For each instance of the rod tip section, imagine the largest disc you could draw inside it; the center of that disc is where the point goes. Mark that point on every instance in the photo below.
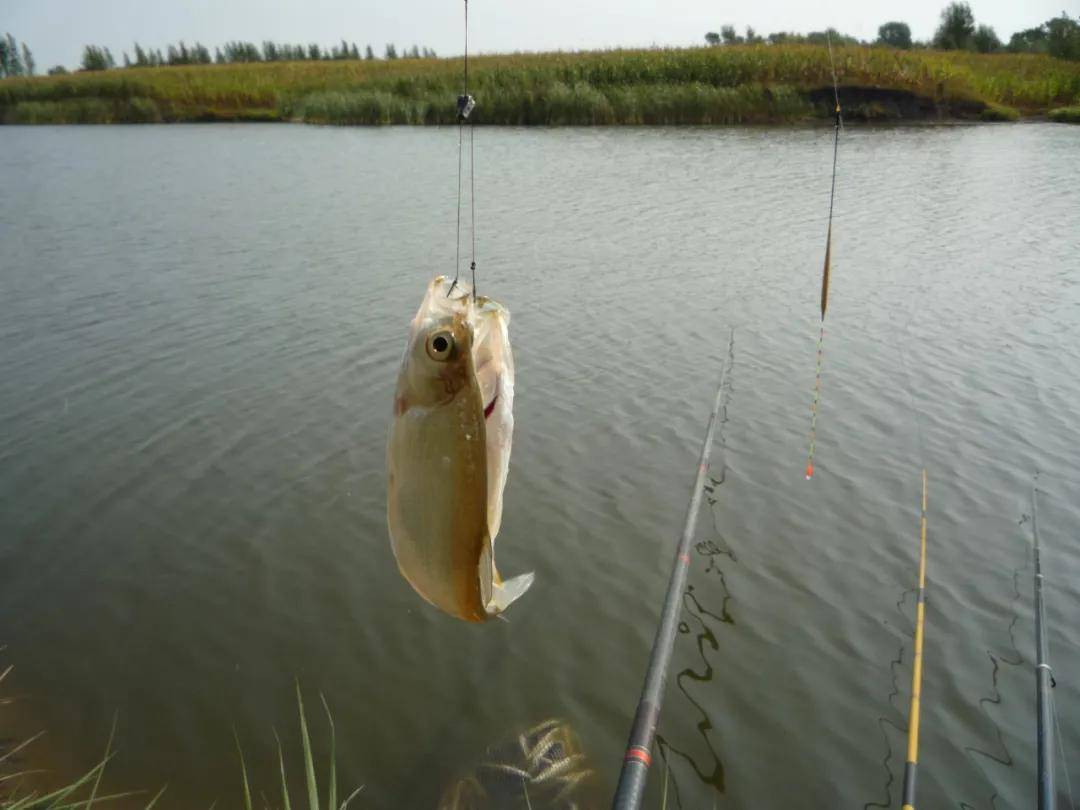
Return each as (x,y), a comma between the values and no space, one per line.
(809,471)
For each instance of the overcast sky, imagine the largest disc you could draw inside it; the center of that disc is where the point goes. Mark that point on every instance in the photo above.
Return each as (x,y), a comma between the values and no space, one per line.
(56,30)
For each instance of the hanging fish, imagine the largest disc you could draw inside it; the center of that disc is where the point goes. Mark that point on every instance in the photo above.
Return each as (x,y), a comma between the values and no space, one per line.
(449,452)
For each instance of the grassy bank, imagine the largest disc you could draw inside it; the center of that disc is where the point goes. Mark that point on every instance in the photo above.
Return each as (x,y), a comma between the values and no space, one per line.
(1066,115)
(734,84)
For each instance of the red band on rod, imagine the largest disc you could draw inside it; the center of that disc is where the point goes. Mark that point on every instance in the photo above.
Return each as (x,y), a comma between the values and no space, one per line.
(640,754)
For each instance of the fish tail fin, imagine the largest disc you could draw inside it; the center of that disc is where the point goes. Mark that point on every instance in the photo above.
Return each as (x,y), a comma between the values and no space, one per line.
(504,594)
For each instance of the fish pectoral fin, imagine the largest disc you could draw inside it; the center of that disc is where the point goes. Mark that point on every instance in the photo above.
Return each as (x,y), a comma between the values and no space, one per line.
(504,594)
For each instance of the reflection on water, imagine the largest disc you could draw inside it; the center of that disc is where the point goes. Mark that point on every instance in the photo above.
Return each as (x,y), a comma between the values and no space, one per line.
(709,768)
(699,621)
(897,672)
(1001,755)
(885,723)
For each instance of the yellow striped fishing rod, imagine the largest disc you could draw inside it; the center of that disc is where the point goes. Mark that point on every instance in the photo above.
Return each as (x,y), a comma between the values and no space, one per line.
(912,762)
(825,271)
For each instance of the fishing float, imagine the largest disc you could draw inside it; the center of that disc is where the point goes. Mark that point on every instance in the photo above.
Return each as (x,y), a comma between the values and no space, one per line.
(638,756)
(815,406)
(912,763)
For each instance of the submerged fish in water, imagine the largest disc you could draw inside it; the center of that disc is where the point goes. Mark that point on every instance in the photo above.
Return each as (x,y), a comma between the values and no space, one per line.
(541,767)
(449,451)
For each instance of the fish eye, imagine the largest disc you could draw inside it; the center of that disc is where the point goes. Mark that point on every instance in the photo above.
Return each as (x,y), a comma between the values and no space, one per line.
(440,345)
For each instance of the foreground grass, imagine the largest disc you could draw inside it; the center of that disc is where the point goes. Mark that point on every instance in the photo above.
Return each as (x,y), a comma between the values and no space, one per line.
(740,84)
(84,793)
(311,785)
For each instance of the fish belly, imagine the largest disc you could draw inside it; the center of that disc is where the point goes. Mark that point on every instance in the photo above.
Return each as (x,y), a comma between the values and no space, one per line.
(437,506)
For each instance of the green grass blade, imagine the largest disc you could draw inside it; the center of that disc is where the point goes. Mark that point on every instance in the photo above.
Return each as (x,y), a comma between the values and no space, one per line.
(243,771)
(284,782)
(20,747)
(108,750)
(84,803)
(331,802)
(24,802)
(157,796)
(57,798)
(309,763)
(352,796)
(6,777)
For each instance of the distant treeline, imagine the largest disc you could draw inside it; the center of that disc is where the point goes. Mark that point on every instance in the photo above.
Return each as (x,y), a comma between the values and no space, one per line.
(13,60)
(1059,37)
(98,58)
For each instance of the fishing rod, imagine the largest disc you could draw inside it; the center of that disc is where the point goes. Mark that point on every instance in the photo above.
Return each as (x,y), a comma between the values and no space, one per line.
(912,763)
(1044,678)
(826,269)
(638,757)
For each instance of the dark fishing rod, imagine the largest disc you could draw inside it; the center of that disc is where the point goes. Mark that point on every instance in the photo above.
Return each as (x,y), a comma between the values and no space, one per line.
(638,757)
(912,763)
(1044,678)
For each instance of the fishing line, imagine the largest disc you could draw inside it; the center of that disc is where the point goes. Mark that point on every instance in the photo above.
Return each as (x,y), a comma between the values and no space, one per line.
(665,751)
(472,202)
(882,723)
(457,258)
(693,608)
(911,403)
(1061,747)
(717,480)
(465,105)
(995,698)
(638,756)
(816,405)
(705,636)
(470,103)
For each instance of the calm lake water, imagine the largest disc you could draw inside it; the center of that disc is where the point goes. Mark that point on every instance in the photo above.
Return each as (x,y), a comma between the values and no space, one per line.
(200,334)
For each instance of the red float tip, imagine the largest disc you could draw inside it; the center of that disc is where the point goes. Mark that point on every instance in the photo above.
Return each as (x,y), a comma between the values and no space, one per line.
(809,471)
